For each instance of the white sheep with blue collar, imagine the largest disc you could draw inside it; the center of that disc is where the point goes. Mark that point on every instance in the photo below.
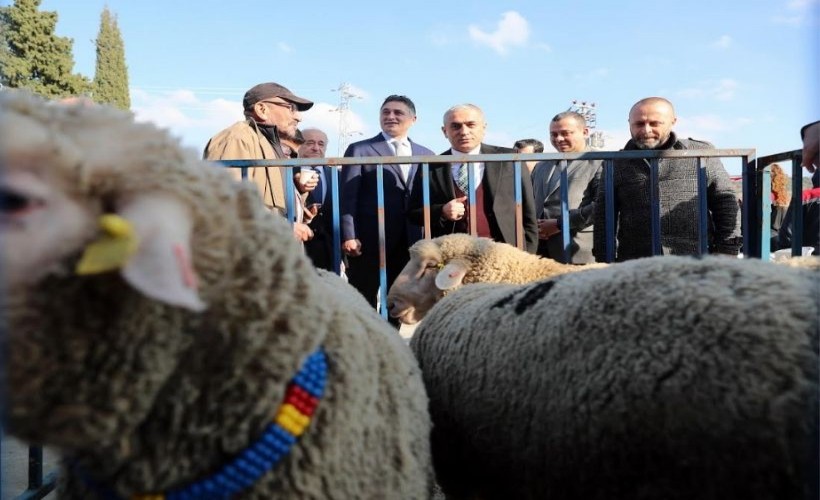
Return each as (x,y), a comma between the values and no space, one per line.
(166,335)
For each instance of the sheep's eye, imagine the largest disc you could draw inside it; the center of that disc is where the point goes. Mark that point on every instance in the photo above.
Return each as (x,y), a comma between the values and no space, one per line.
(432,265)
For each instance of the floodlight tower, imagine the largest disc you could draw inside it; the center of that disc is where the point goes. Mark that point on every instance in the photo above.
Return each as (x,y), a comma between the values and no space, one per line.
(346,94)
(589,111)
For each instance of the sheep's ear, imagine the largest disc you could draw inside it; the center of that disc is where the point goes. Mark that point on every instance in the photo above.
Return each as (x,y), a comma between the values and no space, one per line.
(161,266)
(451,274)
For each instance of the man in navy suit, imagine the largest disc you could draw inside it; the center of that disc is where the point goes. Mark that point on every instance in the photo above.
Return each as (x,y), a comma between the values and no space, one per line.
(464,126)
(359,217)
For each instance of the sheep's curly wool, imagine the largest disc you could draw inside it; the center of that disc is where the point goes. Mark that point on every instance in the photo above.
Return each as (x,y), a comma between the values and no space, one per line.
(481,260)
(143,396)
(658,378)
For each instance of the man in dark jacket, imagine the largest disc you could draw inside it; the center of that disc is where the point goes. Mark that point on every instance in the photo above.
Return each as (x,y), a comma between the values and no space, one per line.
(650,124)
(464,127)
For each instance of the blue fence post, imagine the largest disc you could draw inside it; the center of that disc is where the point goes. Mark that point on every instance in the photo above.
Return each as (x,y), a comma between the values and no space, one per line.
(655,206)
(425,192)
(382,251)
(565,235)
(703,211)
(519,216)
(337,228)
(765,212)
(609,202)
(797,211)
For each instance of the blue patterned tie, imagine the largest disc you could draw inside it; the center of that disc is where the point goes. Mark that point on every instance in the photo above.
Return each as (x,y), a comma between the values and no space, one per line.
(462,179)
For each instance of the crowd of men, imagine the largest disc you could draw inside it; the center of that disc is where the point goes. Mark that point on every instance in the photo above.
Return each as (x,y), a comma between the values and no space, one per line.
(270,131)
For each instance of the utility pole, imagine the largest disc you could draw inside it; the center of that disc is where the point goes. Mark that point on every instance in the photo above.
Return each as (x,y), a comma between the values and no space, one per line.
(346,95)
(589,112)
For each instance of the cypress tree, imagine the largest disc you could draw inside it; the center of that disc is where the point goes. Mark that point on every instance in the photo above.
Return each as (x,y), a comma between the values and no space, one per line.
(32,56)
(111,73)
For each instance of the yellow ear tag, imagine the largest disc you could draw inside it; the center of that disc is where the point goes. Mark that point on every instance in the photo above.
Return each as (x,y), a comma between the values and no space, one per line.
(112,249)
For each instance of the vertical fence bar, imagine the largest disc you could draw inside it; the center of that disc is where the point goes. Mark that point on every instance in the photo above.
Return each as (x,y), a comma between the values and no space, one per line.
(425,194)
(337,227)
(519,217)
(244,173)
(35,468)
(471,197)
(290,199)
(565,236)
(703,212)
(609,208)
(797,211)
(655,206)
(765,212)
(751,239)
(382,241)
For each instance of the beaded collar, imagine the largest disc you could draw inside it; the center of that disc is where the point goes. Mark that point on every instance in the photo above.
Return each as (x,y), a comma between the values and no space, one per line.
(292,418)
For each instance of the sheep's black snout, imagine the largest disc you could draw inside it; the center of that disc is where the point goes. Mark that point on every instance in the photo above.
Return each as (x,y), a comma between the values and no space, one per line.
(12,201)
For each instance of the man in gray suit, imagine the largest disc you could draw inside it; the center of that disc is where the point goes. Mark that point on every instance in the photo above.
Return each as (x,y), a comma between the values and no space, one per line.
(568,134)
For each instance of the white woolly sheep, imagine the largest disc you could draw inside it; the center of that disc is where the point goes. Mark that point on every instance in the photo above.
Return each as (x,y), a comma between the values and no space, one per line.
(656,379)
(157,354)
(443,264)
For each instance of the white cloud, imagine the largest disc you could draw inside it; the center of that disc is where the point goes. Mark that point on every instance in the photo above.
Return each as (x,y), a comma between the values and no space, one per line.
(724,42)
(284,47)
(798,12)
(800,4)
(195,119)
(326,117)
(512,31)
(185,114)
(720,90)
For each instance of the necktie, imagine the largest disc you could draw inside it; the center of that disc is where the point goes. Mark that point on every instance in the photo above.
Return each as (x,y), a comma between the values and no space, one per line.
(462,178)
(402,150)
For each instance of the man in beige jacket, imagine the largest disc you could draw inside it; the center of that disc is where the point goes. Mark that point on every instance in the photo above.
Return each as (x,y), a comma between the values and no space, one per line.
(270,110)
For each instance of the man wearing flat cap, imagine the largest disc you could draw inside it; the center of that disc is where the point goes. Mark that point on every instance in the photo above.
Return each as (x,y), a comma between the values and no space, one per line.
(270,110)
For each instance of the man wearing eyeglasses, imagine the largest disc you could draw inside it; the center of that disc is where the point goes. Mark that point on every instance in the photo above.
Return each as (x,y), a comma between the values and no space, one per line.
(271,111)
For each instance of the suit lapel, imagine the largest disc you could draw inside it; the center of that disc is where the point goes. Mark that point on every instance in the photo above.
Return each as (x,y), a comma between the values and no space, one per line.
(554,182)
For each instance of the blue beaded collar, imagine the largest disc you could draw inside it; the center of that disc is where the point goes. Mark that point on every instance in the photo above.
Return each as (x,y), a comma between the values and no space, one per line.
(292,418)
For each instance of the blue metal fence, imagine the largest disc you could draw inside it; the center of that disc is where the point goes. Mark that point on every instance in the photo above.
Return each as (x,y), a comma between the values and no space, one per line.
(754,214)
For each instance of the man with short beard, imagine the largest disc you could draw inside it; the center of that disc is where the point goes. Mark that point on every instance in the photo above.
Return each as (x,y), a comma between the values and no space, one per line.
(650,124)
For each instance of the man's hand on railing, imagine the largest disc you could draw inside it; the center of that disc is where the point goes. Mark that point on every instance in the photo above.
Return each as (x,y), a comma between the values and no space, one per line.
(454,209)
(302,232)
(352,248)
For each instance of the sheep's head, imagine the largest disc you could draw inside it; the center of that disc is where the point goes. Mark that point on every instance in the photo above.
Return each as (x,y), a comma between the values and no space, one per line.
(53,214)
(436,267)
(73,243)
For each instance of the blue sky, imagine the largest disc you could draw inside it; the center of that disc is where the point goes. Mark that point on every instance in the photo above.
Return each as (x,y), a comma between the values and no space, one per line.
(742,74)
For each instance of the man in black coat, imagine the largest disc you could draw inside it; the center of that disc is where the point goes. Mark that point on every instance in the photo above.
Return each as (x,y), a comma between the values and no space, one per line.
(464,126)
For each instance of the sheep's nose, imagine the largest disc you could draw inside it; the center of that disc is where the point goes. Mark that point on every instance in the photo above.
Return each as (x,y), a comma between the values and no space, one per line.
(11,201)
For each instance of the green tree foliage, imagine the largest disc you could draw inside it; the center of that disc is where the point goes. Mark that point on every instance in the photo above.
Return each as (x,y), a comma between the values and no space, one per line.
(32,56)
(111,73)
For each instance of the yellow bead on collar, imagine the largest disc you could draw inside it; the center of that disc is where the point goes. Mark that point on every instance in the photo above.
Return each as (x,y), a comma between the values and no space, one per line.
(112,249)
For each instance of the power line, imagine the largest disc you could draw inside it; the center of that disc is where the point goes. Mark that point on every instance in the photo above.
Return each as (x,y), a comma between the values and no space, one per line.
(346,94)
